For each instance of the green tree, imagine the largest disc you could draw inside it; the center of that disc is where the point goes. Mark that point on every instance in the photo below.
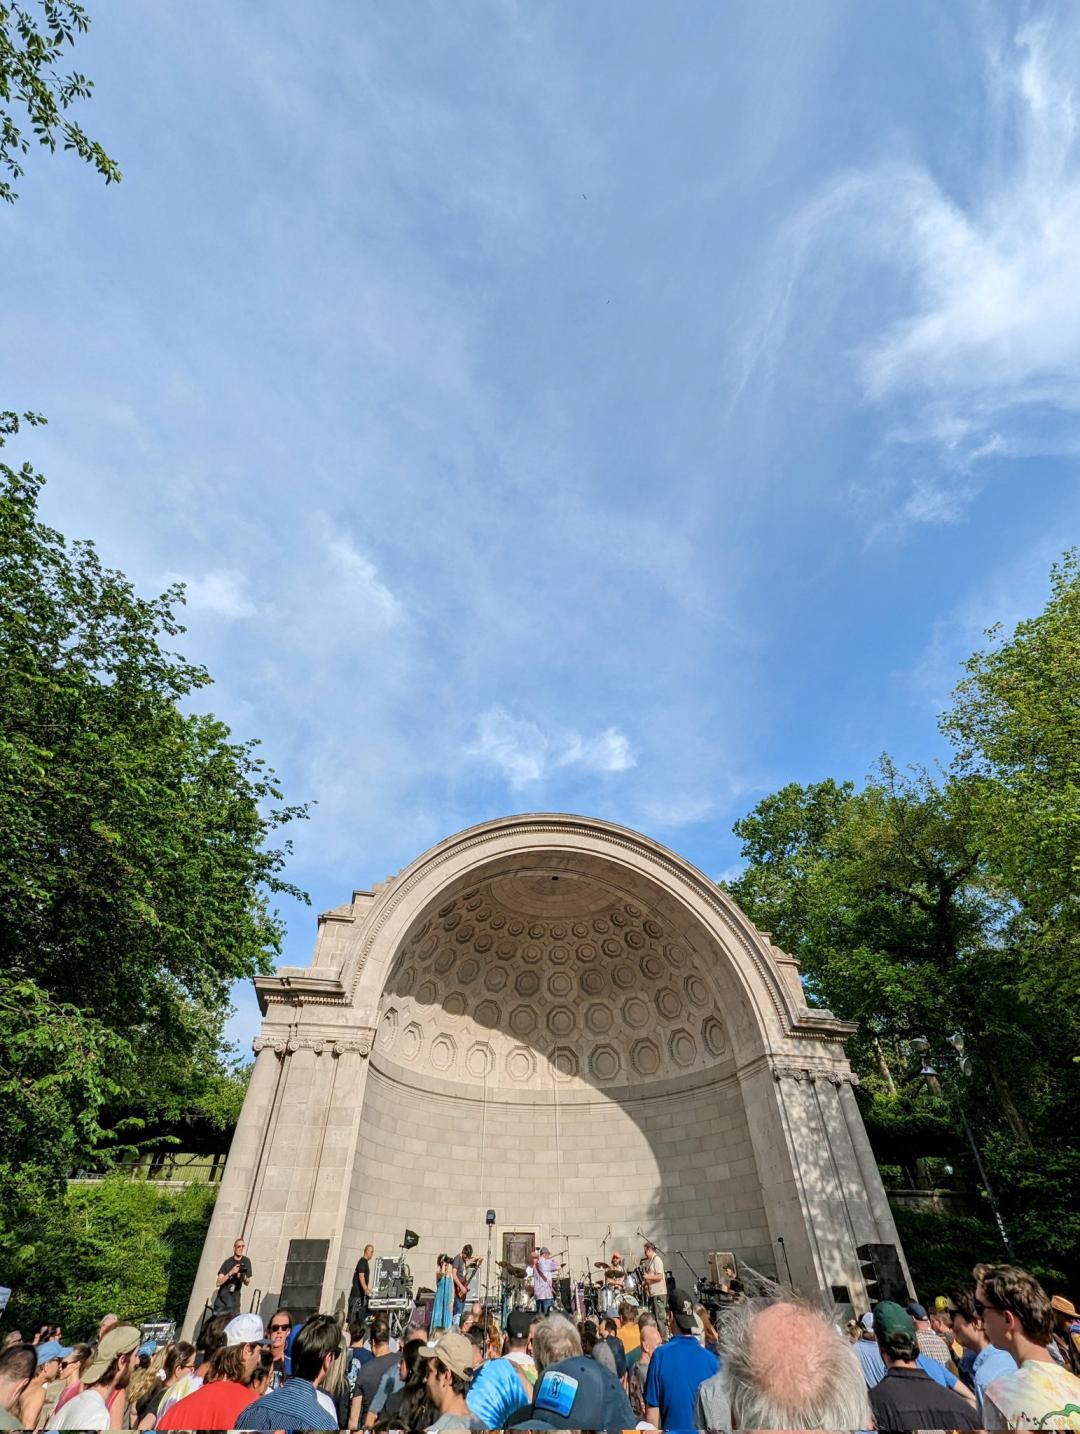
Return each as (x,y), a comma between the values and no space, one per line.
(33,45)
(136,867)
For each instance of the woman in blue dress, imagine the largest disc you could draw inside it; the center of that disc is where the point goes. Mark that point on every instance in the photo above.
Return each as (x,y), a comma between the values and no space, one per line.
(442,1312)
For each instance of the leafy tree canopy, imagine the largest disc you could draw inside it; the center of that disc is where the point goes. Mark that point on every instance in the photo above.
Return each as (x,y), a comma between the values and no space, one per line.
(34,40)
(932,905)
(136,863)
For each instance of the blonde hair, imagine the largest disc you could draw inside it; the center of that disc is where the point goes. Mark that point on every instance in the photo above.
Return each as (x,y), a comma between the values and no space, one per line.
(143,1380)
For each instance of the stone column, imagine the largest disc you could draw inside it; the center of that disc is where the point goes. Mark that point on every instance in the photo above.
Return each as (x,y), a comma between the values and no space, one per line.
(232,1209)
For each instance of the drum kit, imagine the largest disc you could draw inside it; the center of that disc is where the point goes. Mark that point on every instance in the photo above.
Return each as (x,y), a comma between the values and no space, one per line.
(588,1298)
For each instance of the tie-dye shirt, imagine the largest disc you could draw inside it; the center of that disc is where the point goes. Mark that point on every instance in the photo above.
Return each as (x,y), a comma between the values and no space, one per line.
(1040,1395)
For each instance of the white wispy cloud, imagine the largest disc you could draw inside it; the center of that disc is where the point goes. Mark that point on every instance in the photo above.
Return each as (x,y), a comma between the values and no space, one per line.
(524,753)
(957,315)
(222,593)
(359,582)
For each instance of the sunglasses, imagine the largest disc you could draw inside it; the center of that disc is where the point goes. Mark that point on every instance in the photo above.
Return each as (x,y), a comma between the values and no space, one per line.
(280,1328)
(981,1307)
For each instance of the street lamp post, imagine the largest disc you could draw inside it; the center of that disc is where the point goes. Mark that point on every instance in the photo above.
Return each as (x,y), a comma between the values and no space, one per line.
(921,1046)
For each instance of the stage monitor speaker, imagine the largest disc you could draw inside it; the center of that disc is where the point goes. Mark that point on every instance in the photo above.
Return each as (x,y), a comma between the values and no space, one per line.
(719,1260)
(302,1282)
(883,1274)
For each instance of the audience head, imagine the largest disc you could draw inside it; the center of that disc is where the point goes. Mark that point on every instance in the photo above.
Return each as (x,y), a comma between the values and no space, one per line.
(650,1339)
(106,1325)
(784,1366)
(966,1326)
(316,1346)
(17,1365)
(116,1358)
(1015,1309)
(554,1338)
(380,1335)
(450,1364)
(895,1332)
(279,1329)
(258,1380)
(519,1324)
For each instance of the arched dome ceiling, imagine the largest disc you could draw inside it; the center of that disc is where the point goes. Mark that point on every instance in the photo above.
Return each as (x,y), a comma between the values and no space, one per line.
(533,978)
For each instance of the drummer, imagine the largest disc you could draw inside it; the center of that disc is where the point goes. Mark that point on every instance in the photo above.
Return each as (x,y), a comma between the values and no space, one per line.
(616,1272)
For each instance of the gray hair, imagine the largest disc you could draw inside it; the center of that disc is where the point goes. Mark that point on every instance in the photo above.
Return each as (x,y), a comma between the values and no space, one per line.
(554,1338)
(784,1366)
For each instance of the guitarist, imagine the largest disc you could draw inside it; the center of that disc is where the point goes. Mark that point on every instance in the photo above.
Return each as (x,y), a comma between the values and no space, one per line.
(464,1265)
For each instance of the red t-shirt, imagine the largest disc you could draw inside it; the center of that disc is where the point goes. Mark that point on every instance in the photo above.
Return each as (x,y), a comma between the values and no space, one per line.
(214,1406)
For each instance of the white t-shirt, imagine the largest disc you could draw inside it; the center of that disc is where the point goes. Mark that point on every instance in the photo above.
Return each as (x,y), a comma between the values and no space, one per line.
(87,1410)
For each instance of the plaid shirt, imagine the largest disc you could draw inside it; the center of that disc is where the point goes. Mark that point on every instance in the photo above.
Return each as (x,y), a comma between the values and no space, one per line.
(293,1406)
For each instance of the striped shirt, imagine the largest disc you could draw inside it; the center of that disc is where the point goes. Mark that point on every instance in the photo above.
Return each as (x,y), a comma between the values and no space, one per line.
(294,1406)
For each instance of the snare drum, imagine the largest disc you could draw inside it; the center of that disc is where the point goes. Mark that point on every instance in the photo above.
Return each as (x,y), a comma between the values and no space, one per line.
(632,1288)
(609,1300)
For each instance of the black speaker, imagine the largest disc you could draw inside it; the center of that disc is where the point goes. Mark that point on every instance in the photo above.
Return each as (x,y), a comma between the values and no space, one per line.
(302,1282)
(883,1274)
(411,1240)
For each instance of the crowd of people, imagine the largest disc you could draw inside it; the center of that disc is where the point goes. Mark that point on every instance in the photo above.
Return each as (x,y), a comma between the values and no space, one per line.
(999,1354)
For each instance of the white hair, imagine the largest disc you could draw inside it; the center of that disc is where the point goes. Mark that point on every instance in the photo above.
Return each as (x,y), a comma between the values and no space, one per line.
(554,1338)
(791,1370)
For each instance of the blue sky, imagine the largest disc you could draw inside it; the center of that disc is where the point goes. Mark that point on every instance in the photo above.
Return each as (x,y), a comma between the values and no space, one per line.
(614,408)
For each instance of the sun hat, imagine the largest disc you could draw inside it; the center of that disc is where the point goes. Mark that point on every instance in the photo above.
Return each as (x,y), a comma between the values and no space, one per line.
(1063,1306)
(682,1311)
(244,1329)
(121,1339)
(889,1318)
(52,1349)
(453,1350)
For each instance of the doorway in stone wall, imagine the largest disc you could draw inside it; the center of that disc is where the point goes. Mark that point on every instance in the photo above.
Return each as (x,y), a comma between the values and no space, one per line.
(517,1246)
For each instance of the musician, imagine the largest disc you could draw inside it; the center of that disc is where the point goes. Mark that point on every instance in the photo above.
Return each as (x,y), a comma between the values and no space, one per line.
(464,1265)
(361,1286)
(544,1270)
(616,1273)
(654,1278)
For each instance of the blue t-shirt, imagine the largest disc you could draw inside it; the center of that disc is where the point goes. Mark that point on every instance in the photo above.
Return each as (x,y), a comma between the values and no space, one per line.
(675,1371)
(496,1391)
(873,1366)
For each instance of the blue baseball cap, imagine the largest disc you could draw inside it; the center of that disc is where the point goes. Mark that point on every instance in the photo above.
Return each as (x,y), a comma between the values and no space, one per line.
(52,1349)
(915,1309)
(577,1393)
(148,1348)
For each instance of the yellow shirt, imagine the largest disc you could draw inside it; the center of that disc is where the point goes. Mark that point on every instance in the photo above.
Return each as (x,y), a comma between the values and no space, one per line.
(630,1336)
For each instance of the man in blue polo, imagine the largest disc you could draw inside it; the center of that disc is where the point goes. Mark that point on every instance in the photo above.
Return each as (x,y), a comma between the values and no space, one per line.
(677,1368)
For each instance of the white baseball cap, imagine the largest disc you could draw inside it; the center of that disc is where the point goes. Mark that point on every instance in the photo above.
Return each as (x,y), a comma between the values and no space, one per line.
(244,1329)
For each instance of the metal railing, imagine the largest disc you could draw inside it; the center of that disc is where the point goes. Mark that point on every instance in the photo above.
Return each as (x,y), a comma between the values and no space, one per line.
(168,1168)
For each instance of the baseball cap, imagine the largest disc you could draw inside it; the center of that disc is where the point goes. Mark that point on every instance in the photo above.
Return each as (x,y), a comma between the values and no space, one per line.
(889,1318)
(121,1339)
(544,1250)
(519,1323)
(915,1309)
(682,1310)
(148,1348)
(867,1320)
(52,1349)
(578,1393)
(453,1350)
(244,1329)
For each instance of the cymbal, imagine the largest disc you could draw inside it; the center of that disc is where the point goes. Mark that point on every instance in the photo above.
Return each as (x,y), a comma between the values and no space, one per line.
(518,1271)
(610,1269)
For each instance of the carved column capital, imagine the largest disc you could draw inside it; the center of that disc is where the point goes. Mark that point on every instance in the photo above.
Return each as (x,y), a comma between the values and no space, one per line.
(361,1043)
(276,1044)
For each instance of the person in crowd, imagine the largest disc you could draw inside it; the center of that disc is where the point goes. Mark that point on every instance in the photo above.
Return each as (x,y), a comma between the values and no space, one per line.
(49,1355)
(609,1333)
(71,1370)
(655,1277)
(107,1322)
(260,1377)
(145,1382)
(361,1286)
(104,1380)
(970,1333)
(868,1353)
(638,1371)
(593,1347)
(393,1381)
(18,1363)
(1066,1331)
(211,1338)
(370,1376)
(1018,1318)
(414,1409)
(629,1332)
(13,1336)
(233,1275)
(930,1342)
(442,1311)
(279,1329)
(334,1394)
(677,1369)
(710,1339)
(544,1270)
(907,1398)
(449,1377)
(941,1323)
(296,1404)
(502,1386)
(783,1366)
(358,1355)
(179,1362)
(477,1337)
(463,1266)
(572,1391)
(225,1390)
